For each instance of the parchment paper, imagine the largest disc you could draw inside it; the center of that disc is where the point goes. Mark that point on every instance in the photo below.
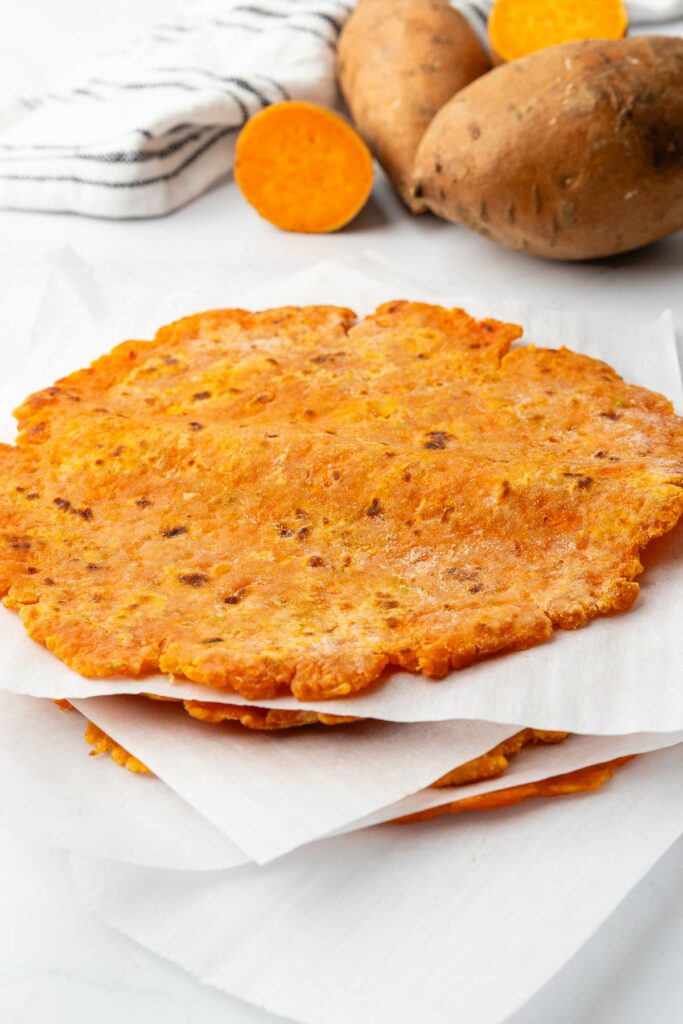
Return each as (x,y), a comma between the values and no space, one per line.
(461,919)
(533,764)
(273,793)
(270,793)
(619,675)
(51,790)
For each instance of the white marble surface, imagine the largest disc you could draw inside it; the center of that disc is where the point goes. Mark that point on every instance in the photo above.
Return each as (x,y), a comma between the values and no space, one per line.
(59,965)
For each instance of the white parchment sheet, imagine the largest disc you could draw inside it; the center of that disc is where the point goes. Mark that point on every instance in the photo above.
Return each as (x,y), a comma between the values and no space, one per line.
(533,764)
(461,919)
(52,791)
(621,674)
(272,792)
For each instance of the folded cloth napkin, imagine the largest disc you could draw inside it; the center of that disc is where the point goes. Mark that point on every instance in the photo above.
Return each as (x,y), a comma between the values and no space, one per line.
(141,132)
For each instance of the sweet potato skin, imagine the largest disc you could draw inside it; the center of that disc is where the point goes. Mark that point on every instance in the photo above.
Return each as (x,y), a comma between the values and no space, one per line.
(574,152)
(398,62)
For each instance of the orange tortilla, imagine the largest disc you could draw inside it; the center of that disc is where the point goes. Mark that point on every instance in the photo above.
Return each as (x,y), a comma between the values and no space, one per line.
(265,719)
(103,744)
(583,780)
(283,501)
(497,760)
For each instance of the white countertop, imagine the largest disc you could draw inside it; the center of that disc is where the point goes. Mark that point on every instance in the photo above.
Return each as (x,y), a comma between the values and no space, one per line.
(59,965)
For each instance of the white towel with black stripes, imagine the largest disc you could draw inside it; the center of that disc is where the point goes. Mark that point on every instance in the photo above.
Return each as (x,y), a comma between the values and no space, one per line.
(142,132)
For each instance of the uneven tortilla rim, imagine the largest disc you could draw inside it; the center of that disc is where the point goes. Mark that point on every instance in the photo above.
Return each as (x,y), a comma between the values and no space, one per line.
(624,593)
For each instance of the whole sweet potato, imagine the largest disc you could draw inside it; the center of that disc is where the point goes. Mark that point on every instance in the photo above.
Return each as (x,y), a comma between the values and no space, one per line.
(399,61)
(571,153)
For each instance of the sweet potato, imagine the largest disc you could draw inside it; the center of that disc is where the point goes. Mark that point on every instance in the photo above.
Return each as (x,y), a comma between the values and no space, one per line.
(302,167)
(572,153)
(399,61)
(520,27)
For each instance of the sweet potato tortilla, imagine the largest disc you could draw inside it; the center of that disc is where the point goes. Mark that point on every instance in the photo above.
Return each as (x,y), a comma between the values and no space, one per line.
(291,500)
(582,780)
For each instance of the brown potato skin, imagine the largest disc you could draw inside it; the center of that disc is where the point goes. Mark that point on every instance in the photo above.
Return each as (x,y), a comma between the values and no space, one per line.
(574,152)
(398,62)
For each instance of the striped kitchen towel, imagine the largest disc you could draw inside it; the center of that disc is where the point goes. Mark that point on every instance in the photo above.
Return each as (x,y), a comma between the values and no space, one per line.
(142,132)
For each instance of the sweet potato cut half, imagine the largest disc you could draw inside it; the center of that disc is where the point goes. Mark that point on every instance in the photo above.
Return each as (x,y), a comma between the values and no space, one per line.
(303,168)
(520,27)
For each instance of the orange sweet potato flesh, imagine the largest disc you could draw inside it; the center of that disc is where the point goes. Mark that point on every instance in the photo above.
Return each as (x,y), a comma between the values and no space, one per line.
(583,780)
(520,27)
(303,168)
